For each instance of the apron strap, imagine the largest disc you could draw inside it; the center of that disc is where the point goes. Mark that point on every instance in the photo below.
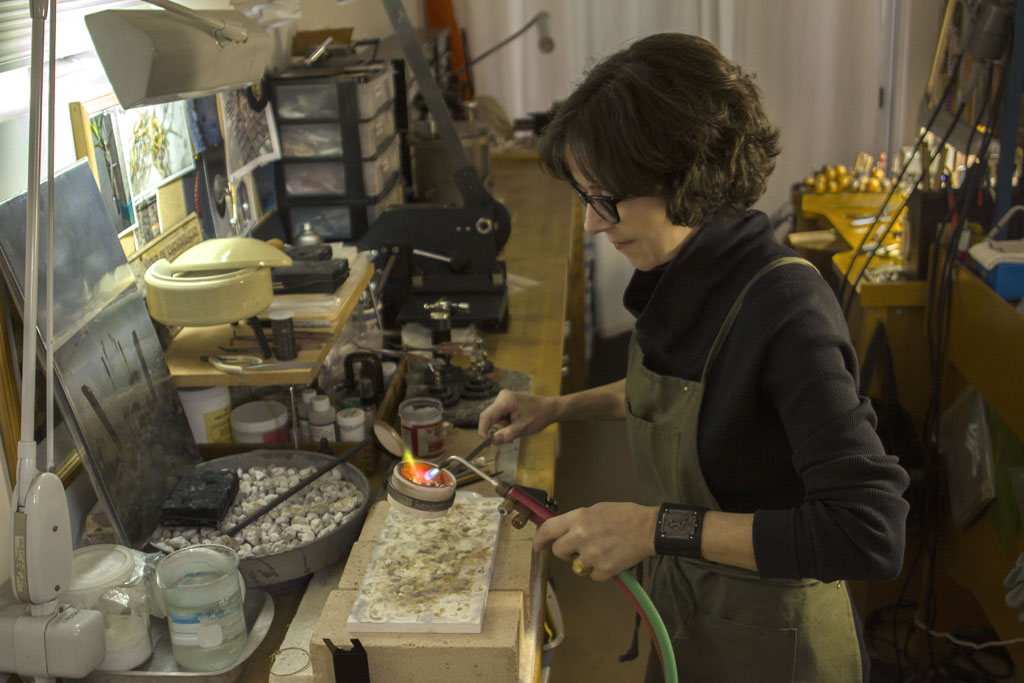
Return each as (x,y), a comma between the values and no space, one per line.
(723,332)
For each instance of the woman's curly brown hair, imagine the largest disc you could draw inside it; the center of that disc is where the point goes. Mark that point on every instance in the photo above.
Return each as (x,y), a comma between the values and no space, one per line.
(670,117)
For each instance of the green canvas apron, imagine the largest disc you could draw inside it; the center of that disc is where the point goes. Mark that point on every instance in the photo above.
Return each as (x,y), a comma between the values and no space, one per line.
(727,624)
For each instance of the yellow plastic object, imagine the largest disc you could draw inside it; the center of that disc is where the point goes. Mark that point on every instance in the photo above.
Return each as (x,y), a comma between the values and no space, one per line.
(196,299)
(229,253)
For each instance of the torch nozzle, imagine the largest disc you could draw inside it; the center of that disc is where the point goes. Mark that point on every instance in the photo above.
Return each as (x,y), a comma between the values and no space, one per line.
(465,463)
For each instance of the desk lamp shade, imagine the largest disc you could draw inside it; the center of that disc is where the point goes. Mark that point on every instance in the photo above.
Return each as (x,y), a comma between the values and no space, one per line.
(153,56)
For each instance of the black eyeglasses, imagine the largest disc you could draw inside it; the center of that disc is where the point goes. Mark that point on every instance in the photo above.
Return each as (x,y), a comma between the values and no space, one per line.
(606,207)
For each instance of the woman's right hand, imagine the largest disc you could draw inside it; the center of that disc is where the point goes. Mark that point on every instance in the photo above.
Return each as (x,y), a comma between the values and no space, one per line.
(525,414)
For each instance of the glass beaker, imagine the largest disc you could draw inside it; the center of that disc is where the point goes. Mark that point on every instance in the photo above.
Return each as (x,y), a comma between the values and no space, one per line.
(203,592)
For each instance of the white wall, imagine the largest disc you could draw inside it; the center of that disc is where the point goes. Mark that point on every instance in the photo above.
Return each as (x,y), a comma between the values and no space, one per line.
(367,17)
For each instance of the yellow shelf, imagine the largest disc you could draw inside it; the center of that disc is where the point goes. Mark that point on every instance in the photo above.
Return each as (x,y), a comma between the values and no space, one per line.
(185,352)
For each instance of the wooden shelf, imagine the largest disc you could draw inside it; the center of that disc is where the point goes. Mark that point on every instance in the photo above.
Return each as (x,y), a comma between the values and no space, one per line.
(185,352)
(986,344)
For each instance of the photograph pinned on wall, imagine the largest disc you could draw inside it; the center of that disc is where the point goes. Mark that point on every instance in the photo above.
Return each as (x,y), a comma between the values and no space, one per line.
(250,136)
(148,226)
(94,127)
(155,145)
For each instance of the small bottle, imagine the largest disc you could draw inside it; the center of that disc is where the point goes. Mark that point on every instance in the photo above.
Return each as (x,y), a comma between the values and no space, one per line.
(388,369)
(351,425)
(305,405)
(321,420)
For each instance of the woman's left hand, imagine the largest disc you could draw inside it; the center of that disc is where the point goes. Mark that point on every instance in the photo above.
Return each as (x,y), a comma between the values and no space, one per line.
(608,537)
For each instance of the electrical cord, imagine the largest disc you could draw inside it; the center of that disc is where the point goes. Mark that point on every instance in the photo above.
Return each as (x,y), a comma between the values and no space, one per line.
(940,287)
(895,218)
(494,48)
(937,330)
(959,664)
(906,165)
(965,643)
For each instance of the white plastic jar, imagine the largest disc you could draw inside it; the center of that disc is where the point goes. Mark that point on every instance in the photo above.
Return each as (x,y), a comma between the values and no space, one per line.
(260,422)
(108,578)
(208,410)
(351,425)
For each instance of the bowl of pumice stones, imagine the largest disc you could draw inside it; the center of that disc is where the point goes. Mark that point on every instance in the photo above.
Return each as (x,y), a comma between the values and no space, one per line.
(315,527)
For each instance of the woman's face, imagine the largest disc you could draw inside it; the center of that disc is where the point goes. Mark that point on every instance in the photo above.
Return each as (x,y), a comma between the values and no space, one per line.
(644,234)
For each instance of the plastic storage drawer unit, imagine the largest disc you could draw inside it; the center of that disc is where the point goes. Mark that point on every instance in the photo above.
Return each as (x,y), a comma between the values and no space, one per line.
(343,221)
(318,99)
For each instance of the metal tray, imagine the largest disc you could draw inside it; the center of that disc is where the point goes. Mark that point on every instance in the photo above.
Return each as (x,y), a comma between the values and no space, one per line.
(259,613)
(280,572)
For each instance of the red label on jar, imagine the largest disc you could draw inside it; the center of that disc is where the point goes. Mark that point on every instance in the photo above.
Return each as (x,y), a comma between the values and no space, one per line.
(425,441)
(280,435)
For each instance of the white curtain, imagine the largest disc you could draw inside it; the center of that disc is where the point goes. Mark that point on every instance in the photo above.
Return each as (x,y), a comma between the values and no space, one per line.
(817,62)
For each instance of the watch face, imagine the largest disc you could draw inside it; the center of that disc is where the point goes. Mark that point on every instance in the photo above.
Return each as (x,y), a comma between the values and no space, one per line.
(679,524)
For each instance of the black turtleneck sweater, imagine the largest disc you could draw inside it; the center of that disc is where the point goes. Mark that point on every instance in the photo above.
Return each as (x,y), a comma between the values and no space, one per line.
(784,433)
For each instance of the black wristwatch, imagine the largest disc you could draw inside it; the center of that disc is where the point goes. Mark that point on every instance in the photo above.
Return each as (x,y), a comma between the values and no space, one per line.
(678,530)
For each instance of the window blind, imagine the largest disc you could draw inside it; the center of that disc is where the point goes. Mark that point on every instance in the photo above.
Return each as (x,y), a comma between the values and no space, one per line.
(72,36)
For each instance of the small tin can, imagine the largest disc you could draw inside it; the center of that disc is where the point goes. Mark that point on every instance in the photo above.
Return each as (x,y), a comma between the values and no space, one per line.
(422,421)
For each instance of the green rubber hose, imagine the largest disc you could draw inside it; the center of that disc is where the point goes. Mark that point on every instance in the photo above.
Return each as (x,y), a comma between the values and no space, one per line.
(668,657)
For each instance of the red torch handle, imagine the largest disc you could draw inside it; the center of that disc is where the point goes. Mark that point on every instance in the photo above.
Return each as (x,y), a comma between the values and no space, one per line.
(524,502)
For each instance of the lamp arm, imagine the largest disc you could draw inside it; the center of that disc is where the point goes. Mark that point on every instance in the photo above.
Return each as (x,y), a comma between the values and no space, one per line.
(544,43)
(27,444)
(221,30)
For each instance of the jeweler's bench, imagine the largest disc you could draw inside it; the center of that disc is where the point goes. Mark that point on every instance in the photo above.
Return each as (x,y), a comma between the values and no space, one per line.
(544,335)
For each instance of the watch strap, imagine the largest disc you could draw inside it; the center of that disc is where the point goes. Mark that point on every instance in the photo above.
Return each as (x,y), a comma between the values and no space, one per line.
(678,530)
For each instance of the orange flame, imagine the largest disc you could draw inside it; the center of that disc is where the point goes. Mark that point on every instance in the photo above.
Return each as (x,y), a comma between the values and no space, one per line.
(425,473)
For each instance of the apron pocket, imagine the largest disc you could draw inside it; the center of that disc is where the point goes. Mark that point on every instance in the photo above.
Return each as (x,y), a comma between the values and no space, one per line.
(656,457)
(671,594)
(721,650)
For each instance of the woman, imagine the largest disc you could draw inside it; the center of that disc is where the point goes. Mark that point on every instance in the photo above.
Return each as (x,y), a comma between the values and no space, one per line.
(764,484)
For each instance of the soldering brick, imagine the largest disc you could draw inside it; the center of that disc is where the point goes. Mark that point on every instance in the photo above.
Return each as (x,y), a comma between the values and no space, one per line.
(512,565)
(358,561)
(491,655)
(375,520)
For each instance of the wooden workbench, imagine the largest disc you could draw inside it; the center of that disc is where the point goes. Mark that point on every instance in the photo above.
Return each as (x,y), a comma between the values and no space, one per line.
(544,249)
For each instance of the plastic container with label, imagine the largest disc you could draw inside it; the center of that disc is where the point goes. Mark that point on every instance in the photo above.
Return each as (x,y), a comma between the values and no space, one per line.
(109,578)
(208,410)
(422,421)
(351,425)
(260,422)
